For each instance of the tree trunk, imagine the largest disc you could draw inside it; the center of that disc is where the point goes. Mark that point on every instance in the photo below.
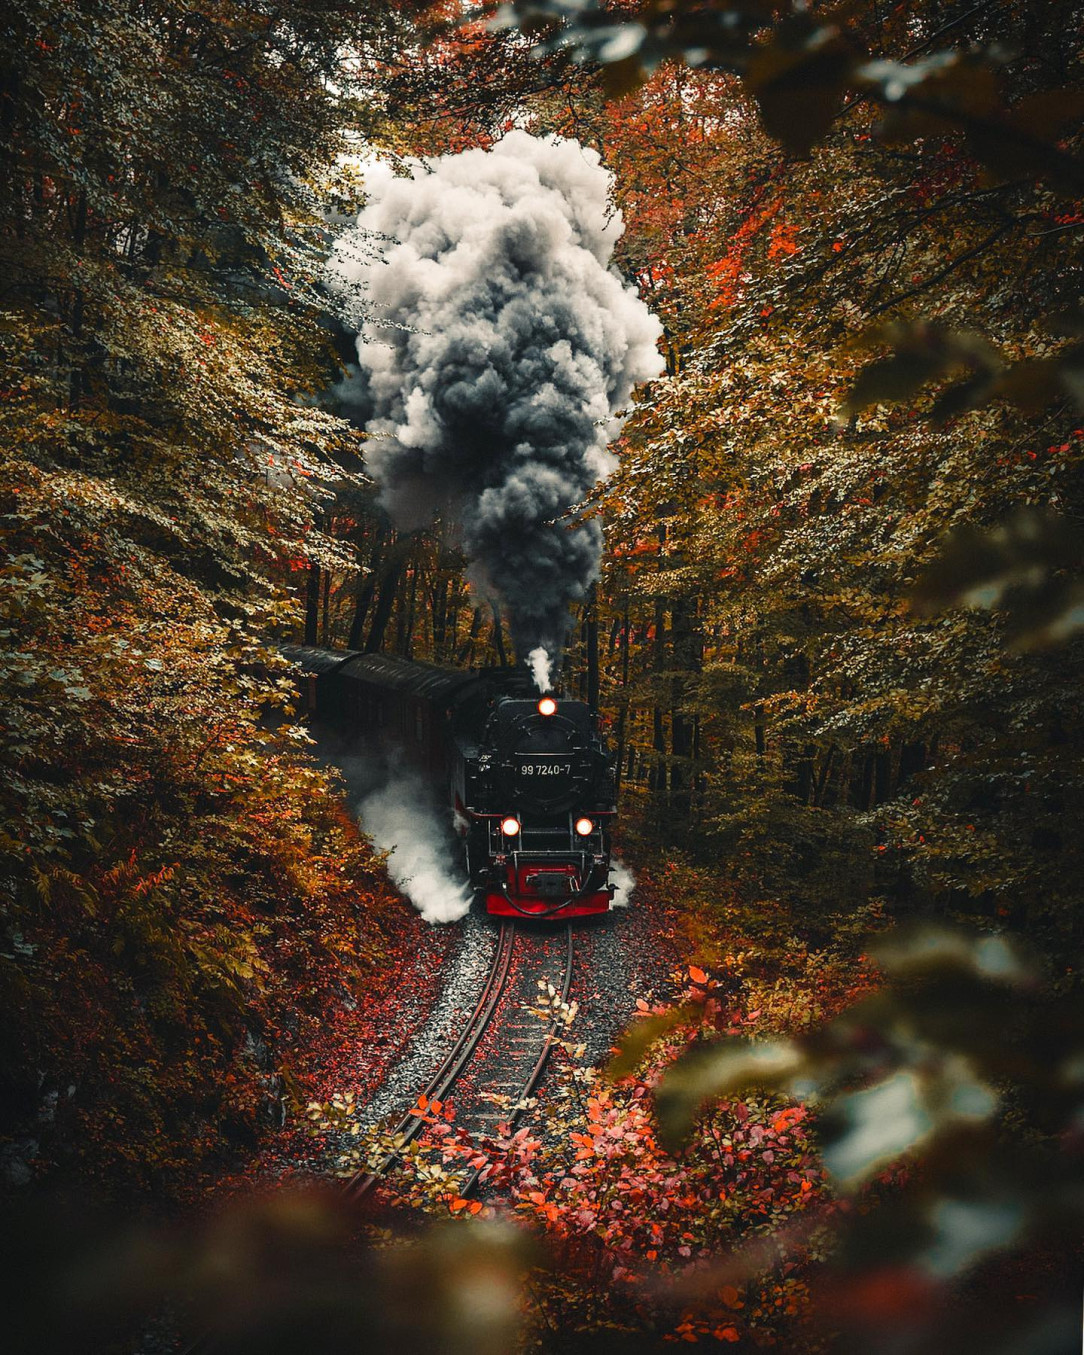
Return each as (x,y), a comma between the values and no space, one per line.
(687,655)
(658,780)
(912,761)
(389,586)
(498,635)
(408,645)
(865,785)
(367,590)
(465,653)
(440,613)
(822,779)
(312,606)
(451,624)
(325,604)
(882,775)
(623,708)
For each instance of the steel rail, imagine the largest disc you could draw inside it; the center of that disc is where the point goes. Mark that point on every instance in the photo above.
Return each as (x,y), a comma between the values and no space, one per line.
(535,1075)
(449,1071)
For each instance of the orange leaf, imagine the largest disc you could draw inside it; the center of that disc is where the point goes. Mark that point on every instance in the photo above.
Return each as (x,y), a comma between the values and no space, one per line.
(697,975)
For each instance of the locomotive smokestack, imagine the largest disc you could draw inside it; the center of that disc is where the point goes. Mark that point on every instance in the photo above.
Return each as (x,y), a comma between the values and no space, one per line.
(498,349)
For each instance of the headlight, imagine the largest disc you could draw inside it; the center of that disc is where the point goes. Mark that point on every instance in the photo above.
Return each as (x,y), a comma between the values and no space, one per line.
(547,706)
(509,826)
(584,827)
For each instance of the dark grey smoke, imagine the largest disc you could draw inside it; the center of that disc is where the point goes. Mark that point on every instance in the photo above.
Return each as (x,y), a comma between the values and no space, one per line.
(498,349)
(349,397)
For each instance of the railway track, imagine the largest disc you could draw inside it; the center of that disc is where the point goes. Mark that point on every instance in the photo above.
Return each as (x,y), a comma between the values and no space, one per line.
(504,1069)
(500,1054)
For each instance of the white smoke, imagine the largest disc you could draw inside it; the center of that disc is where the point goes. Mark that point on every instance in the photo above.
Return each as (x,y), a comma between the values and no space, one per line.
(541,666)
(401,820)
(623,878)
(497,348)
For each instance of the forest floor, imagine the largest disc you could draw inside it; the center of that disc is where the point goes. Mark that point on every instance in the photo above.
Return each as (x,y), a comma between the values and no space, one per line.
(380,1051)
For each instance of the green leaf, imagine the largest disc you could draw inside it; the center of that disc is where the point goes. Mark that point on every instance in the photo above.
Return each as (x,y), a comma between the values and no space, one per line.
(799,86)
(713,1072)
(639,1038)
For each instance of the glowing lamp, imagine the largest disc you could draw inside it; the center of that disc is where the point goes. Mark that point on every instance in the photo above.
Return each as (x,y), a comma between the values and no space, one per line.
(547,706)
(509,826)
(584,827)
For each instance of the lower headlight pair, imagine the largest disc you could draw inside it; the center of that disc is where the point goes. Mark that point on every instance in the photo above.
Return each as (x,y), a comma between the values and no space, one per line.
(510,827)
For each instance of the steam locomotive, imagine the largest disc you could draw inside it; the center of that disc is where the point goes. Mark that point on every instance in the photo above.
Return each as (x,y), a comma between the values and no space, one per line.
(528,779)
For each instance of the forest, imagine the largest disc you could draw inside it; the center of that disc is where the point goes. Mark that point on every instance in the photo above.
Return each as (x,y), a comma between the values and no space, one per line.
(834,637)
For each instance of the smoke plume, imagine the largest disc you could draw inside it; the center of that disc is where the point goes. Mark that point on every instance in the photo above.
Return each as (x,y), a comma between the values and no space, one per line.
(541,666)
(498,348)
(402,820)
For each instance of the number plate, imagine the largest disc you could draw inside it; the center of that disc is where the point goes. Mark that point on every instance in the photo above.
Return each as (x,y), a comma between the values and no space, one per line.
(540,769)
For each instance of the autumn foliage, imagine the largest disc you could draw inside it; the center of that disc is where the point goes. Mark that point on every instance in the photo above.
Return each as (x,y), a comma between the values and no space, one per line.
(836,644)
(185,901)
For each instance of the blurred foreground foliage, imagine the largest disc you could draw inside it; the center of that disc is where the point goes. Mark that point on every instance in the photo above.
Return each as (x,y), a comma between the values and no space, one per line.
(965,1065)
(277,1273)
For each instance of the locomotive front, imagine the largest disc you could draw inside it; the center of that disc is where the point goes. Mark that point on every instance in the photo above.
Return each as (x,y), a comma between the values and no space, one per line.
(538,805)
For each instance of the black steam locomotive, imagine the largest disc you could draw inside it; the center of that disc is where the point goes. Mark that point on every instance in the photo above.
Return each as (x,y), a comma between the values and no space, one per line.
(529,780)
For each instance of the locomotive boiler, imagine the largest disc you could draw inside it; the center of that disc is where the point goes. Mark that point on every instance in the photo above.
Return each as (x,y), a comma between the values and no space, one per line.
(528,780)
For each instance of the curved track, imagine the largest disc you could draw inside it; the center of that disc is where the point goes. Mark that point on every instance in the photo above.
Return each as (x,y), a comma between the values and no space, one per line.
(511,1045)
(499,1056)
